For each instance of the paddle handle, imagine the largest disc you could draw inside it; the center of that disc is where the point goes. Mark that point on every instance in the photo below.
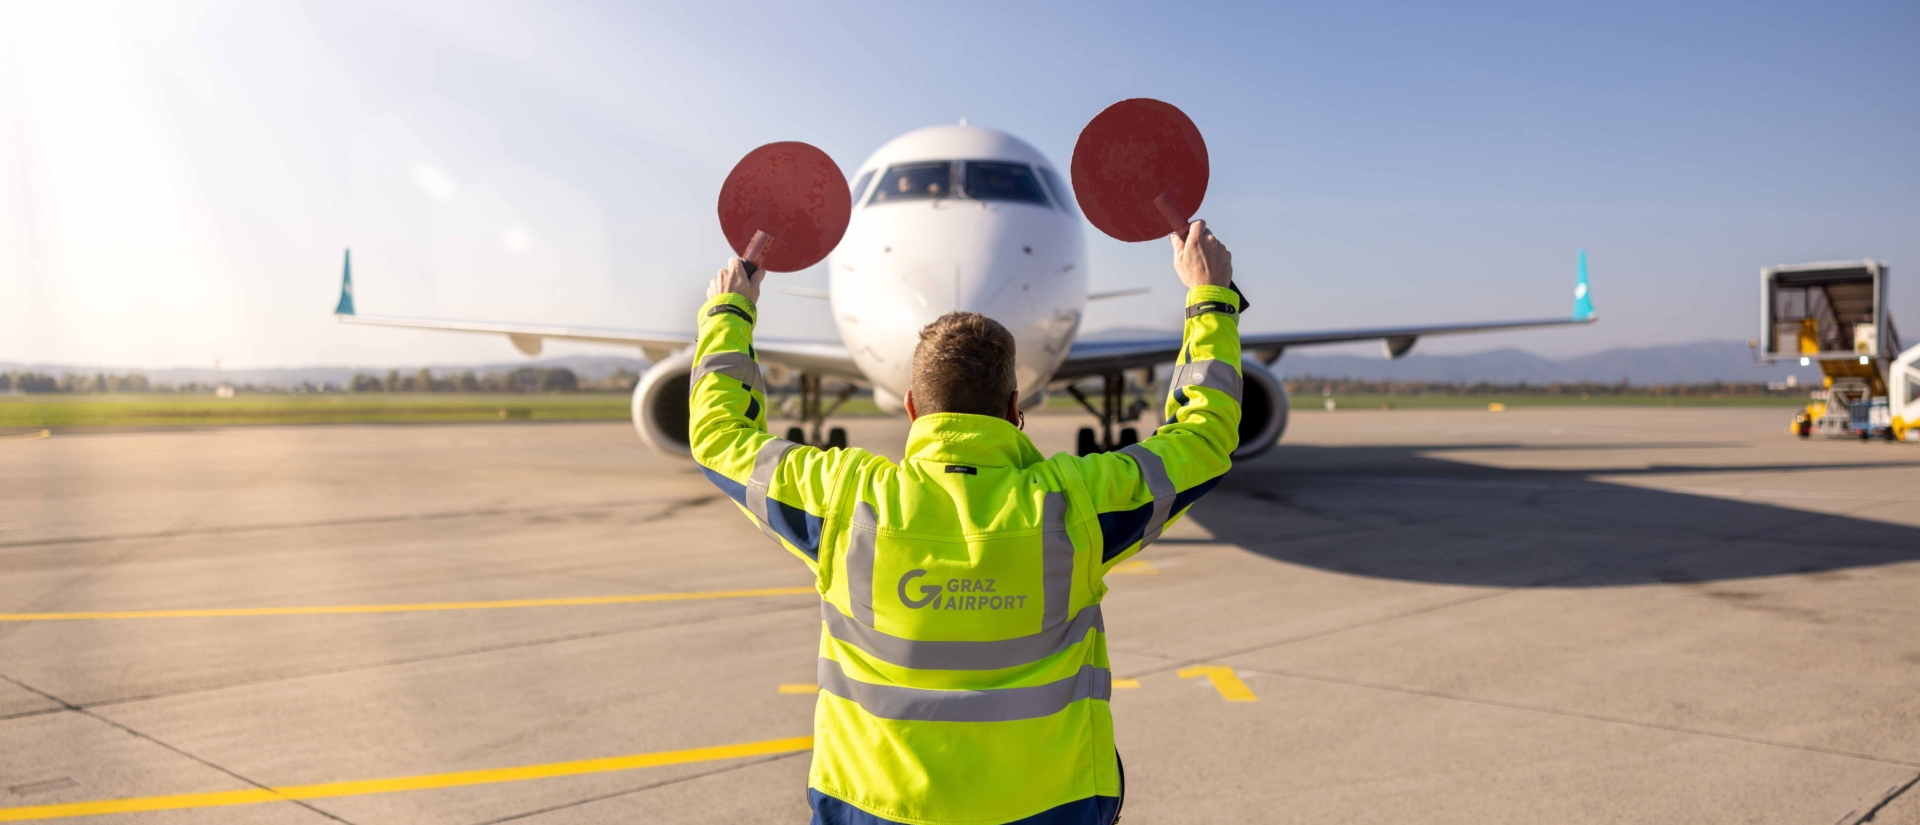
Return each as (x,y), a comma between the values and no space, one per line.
(1174,221)
(756,249)
(1179,226)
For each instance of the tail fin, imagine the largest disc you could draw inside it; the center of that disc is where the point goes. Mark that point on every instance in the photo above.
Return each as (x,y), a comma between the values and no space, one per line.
(1582,297)
(345,307)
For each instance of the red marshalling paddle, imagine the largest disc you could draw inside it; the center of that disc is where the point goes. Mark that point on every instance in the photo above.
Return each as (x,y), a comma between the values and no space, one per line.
(784,207)
(1140,171)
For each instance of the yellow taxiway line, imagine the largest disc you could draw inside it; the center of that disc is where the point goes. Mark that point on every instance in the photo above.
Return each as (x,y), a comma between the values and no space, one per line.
(422,607)
(810,688)
(27,436)
(423,782)
(1225,682)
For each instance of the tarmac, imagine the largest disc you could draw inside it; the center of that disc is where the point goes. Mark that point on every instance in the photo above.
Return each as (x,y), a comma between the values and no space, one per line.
(1541,615)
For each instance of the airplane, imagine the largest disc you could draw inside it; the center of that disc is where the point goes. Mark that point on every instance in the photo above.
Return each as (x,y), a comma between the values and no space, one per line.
(959,218)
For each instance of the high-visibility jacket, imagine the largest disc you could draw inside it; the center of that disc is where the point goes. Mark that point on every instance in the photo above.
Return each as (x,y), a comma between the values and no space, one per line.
(963,661)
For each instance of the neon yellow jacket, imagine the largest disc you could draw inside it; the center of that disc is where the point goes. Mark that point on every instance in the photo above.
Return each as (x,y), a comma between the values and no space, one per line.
(963,660)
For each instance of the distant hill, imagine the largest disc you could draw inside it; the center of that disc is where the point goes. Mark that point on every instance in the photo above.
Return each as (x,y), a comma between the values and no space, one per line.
(1701,362)
(1696,363)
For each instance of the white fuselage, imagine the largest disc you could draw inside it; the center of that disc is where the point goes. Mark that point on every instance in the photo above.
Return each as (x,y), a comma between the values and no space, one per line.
(944,219)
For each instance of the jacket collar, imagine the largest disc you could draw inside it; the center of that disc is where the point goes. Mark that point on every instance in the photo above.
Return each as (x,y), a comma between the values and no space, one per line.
(978,440)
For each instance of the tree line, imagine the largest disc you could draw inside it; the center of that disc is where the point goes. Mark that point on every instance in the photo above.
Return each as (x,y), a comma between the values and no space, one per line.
(73,382)
(523,380)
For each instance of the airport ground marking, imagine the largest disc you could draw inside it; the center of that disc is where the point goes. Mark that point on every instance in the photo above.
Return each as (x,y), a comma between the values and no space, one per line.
(420,607)
(794,687)
(1136,567)
(488,776)
(1593,717)
(672,504)
(1224,680)
(27,436)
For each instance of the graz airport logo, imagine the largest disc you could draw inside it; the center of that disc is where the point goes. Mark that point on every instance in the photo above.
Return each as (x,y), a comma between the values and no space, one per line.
(961,594)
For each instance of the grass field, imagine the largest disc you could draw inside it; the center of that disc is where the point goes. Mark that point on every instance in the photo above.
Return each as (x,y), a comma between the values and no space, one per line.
(157,410)
(32,412)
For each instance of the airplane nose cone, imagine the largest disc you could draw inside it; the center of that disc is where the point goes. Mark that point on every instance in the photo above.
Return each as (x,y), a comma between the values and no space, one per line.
(1014,263)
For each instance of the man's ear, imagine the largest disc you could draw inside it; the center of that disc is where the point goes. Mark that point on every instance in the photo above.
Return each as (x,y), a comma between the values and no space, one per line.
(1013,407)
(911,415)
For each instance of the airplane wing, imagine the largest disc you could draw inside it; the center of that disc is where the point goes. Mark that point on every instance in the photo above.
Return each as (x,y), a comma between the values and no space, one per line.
(1101,357)
(816,356)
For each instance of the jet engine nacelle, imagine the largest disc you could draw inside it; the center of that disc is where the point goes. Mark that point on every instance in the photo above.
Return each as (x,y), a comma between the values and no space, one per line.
(660,404)
(1263,410)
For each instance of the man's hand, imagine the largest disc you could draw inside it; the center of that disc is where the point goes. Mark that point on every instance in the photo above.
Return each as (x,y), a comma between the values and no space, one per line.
(1200,258)
(734,278)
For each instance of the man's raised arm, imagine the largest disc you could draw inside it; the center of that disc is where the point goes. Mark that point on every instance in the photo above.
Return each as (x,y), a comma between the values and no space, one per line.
(785,488)
(1141,489)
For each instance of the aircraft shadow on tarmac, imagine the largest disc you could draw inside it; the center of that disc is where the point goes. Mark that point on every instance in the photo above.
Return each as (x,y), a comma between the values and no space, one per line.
(1394,512)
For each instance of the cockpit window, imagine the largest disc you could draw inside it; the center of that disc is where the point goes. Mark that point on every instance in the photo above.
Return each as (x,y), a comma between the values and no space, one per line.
(994,181)
(915,181)
(860,186)
(1060,194)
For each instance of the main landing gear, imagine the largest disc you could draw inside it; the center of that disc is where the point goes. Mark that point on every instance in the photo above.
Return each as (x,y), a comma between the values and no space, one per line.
(810,413)
(1113,409)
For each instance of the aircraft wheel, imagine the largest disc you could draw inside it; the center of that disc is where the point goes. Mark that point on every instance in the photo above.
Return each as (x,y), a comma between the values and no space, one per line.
(797,435)
(1087,443)
(837,439)
(1129,436)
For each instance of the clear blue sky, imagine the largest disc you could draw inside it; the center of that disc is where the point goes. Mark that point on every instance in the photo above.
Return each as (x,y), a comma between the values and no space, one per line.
(177,180)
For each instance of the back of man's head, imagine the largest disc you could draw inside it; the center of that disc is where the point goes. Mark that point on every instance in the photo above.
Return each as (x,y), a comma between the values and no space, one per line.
(963,364)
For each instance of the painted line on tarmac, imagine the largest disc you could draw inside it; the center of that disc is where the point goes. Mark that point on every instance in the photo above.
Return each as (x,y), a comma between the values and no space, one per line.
(422,607)
(1626,474)
(810,689)
(27,436)
(364,787)
(672,504)
(1225,682)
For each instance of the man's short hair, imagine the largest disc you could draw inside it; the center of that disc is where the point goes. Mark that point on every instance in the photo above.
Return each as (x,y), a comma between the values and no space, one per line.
(963,364)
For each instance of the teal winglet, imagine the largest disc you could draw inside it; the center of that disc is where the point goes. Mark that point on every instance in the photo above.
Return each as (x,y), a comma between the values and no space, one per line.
(1582,296)
(345,307)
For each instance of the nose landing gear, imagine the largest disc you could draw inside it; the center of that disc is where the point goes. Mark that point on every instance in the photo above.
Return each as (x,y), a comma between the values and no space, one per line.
(1113,409)
(810,413)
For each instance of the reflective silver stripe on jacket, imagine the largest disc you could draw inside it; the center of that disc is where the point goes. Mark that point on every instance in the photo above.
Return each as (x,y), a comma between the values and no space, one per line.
(735,365)
(1155,472)
(1207,372)
(1056,560)
(995,655)
(765,463)
(866,525)
(999,705)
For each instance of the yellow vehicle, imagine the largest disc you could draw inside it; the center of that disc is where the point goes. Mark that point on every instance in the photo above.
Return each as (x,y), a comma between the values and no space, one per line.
(1903,395)
(1834,314)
